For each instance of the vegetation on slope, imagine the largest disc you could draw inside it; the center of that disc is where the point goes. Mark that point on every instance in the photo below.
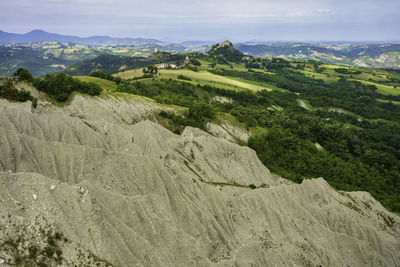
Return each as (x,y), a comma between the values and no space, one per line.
(60,86)
(226,52)
(8,91)
(109,63)
(349,137)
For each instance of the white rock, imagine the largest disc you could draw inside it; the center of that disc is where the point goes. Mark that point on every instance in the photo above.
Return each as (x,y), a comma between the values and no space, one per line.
(34,196)
(52,187)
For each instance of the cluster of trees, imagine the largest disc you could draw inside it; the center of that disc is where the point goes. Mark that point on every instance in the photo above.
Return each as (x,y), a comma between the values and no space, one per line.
(23,75)
(195,62)
(270,64)
(109,63)
(60,86)
(150,71)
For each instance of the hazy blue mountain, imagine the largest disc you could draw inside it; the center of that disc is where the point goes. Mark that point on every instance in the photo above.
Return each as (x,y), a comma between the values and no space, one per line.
(40,35)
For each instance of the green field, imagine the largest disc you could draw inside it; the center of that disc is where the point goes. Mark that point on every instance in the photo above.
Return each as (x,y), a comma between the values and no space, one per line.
(211,78)
(129,74)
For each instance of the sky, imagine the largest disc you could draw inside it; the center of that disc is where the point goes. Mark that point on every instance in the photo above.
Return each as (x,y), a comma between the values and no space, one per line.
(211,20)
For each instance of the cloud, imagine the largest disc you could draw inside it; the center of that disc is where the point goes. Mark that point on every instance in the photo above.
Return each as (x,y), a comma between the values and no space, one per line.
(206,18)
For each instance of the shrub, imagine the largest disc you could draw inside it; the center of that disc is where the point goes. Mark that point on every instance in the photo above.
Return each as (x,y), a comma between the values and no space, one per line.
(195,62)
(23,75)
(57,235)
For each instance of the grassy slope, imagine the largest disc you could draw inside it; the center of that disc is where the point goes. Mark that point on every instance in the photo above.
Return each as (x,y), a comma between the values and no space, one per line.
(204,77)
(128,74)
(210,78)
(367,76)
(383,89)
(106,85)
(110,90)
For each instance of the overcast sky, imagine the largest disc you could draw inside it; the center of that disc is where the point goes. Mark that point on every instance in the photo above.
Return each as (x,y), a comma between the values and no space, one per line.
(214,20)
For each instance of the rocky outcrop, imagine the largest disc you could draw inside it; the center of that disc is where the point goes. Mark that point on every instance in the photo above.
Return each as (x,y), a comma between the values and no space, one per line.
(128,190)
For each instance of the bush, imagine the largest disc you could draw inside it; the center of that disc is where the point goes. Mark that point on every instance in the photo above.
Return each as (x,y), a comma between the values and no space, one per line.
(195,62)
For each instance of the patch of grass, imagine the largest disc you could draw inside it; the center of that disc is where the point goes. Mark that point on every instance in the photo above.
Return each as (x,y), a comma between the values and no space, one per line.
(258,131)
(387,101)
(106,85)
(230,118)
(129,74)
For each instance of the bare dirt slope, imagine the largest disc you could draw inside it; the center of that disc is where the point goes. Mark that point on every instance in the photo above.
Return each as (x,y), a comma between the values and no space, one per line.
(125,190)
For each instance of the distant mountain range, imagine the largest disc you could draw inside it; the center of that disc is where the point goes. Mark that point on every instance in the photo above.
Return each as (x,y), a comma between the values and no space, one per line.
(353,54)
(40,35)
(42,52)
